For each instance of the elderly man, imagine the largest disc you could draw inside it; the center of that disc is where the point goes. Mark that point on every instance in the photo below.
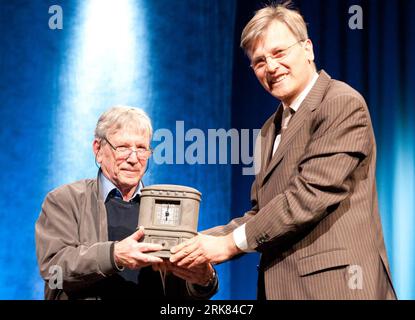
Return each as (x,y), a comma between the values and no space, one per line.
(314,215)
(86,233)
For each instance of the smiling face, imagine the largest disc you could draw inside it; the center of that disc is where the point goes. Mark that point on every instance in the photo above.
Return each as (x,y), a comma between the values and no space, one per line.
(125,174)
(287,78)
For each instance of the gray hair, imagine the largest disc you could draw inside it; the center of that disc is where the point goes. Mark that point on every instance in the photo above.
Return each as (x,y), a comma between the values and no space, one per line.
(124,117)
(262,19)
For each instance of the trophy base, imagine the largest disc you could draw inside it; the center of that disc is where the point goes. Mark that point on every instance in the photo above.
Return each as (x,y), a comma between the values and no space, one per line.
(164,254)
(167,242)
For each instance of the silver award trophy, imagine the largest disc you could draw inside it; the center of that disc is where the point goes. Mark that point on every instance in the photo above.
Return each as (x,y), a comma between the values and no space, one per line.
(169,214)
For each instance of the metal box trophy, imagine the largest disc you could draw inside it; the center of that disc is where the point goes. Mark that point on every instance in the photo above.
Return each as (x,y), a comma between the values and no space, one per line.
(169,214)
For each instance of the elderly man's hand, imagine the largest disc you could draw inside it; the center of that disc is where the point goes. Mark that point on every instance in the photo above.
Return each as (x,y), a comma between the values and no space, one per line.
(201,274)
(204,249)
(131,254)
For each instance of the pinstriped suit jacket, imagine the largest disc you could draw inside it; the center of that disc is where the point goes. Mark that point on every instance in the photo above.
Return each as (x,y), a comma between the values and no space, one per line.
(314,215)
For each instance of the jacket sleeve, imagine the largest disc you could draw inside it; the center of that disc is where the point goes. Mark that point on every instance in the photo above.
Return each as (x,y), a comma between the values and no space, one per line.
(341,140)
(59,251)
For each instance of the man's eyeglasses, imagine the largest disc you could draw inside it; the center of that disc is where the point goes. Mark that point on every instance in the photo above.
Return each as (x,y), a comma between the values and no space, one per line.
(125,152)
(277,55)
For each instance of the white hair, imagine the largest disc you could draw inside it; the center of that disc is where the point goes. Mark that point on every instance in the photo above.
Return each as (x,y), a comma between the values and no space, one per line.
(123,117)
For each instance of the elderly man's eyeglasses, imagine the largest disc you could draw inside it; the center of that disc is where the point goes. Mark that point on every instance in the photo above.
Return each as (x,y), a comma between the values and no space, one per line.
(277,55)
(125,152)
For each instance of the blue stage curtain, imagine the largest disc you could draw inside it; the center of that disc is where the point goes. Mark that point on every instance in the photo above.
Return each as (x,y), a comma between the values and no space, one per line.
(171,58)
(180,61)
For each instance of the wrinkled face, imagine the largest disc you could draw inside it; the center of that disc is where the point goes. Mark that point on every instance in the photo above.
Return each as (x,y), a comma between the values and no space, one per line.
(125,174)
(286,76)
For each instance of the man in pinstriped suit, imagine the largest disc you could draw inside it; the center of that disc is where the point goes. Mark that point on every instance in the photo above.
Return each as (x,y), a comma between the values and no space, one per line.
(314,214)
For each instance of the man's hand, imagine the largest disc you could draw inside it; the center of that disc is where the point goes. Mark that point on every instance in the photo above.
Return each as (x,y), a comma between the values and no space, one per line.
(204,249)
(130,253)
(201,274)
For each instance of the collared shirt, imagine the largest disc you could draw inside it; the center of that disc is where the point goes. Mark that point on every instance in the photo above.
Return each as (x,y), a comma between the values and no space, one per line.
(239,234)
(294,108)
(106,187)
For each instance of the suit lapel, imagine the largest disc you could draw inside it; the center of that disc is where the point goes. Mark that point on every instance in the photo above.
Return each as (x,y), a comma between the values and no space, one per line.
(309,104)
(268,138)
(295,124)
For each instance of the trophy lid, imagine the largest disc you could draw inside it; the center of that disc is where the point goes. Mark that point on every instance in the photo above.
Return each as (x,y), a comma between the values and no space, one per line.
(171,191)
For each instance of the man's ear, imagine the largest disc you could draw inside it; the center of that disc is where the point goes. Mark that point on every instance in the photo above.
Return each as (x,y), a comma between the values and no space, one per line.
(308,46)
(96,148)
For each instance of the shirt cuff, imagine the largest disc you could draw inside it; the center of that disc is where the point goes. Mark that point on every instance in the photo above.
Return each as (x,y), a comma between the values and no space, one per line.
(239,237)
(206,291)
